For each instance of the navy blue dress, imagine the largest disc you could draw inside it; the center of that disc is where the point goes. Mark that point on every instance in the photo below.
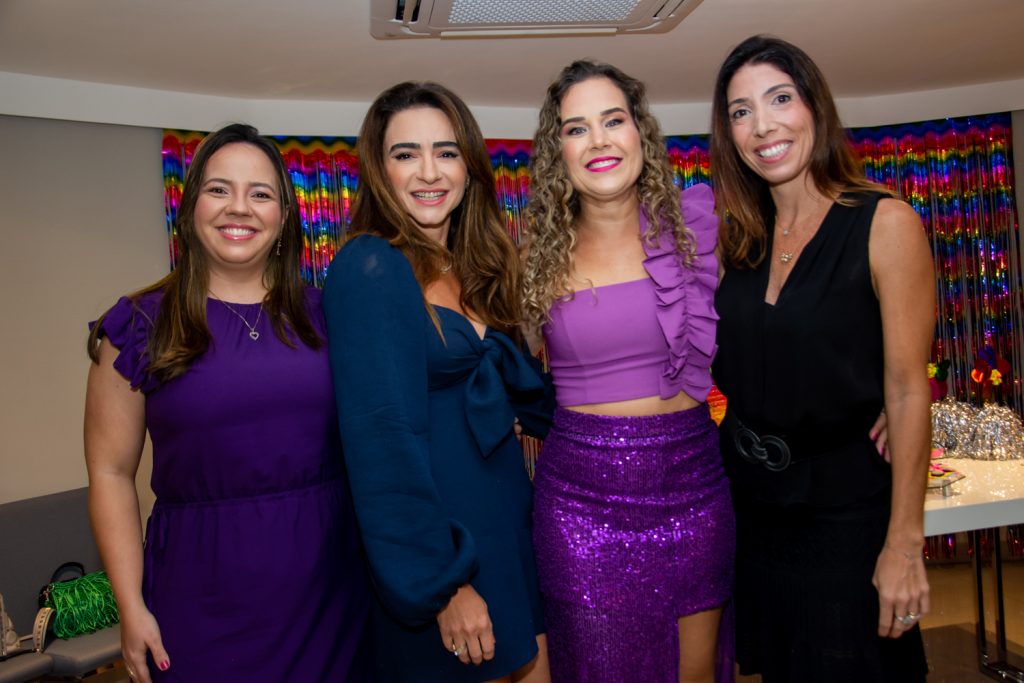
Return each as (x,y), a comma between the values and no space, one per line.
(440,488)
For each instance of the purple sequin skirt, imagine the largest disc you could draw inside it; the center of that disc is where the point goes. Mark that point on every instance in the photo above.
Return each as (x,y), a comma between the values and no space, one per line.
(633,528)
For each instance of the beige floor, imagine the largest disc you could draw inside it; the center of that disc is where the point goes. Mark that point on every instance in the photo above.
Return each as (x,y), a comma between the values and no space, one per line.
(953,597)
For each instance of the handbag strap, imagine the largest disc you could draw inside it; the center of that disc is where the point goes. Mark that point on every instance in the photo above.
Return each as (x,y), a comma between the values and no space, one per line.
(77,566)
(39,629)
(44,592)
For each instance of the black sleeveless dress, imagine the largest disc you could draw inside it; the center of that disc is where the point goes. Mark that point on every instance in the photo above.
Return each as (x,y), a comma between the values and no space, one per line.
(803,378)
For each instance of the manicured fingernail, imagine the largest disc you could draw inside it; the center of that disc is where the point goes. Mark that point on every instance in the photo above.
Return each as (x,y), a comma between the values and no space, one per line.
(164,665)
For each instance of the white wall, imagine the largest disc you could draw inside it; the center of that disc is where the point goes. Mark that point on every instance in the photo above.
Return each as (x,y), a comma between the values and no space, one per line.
(78,101)
(81,222)
(1017,121)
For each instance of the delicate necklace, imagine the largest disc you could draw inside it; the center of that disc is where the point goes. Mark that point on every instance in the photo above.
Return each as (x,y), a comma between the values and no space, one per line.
(449,262)
(253,334)
(787,256)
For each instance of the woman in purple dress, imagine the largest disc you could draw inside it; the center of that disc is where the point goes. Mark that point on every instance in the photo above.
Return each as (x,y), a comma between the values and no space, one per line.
(633,525)
(251,569)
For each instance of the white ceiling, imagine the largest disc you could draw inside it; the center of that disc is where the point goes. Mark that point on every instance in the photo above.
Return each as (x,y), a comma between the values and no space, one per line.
(321,50)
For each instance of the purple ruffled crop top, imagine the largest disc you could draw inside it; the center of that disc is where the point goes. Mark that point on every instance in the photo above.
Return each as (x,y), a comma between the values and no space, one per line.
(649,337)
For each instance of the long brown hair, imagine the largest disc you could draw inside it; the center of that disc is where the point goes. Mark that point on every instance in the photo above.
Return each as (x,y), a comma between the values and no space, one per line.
(742,198)
(482,254)
(180,332)
(554,204)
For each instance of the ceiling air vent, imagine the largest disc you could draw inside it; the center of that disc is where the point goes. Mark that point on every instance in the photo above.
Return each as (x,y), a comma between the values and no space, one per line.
(497,18)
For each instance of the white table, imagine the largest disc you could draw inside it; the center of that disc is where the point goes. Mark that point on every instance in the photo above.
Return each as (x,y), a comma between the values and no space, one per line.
(991,496)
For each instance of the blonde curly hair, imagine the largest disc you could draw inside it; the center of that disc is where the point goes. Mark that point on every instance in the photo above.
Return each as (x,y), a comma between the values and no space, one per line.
(554,204)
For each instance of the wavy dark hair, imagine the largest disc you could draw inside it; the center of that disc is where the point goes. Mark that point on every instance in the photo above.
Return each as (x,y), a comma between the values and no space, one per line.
(554,204)
(180,332)
(482,254)
(742,198)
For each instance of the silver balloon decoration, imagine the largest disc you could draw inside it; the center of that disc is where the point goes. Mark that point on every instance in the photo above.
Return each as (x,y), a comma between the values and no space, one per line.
(998,434)
(952,426)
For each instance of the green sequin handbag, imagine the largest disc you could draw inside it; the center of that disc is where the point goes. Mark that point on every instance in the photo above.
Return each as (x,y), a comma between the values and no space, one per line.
(80,605)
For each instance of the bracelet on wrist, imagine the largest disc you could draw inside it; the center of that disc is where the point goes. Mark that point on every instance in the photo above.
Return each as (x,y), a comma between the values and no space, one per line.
(908,556)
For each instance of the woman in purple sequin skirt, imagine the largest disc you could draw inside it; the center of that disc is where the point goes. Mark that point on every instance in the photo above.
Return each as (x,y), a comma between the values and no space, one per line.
(633,523)
(633,530)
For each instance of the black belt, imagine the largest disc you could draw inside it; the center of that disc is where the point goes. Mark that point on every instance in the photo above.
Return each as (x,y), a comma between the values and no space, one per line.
(776,452)
(770,451)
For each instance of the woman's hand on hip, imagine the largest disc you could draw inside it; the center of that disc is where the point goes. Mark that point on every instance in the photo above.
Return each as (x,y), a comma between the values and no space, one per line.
(880,435)
(466,627)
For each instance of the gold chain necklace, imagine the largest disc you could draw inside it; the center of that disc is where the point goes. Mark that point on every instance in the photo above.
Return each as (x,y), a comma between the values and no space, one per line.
(787,256)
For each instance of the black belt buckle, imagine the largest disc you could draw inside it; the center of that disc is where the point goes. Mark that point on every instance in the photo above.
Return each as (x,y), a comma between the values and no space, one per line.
(769,451)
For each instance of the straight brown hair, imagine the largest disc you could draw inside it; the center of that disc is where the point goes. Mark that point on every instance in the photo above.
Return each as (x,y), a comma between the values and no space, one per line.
(742,199)
(180,331)
(482,254)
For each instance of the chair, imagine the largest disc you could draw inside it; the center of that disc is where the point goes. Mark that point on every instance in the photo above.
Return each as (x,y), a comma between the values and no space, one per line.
(38,535)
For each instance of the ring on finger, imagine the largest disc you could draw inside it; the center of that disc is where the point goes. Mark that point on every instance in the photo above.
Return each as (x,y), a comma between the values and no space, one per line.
(908,618)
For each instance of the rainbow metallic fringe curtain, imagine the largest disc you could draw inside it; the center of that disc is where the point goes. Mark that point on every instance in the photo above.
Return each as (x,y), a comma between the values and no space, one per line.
(958,176)
(956,173)
(324,172)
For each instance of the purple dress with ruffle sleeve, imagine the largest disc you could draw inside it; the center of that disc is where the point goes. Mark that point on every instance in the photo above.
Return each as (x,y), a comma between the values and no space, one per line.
(253,566)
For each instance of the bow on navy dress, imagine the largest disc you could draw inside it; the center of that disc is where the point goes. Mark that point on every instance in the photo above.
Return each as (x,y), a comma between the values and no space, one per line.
(438,480)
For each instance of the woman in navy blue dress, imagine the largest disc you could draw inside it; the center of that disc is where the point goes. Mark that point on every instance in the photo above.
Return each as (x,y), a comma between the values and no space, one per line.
(422,313)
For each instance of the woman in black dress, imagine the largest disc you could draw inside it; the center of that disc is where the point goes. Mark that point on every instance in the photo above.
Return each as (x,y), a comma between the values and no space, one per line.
(827,311)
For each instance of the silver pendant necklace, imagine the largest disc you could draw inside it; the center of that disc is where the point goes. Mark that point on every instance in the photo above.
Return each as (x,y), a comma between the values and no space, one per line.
(253,334)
